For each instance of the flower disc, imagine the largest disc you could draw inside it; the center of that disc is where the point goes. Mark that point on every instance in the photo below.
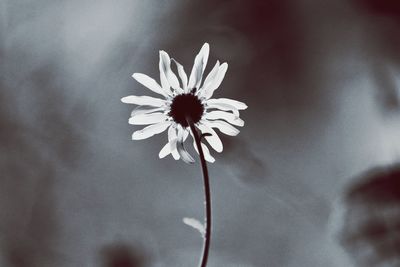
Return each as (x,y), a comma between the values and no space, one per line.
(186,106)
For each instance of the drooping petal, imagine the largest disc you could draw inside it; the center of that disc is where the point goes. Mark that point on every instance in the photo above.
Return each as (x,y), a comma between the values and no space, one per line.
(226,101)
(172,138)
(206,152)
(144,119)
(185,156)
(175,153)
(182,75)
(144,110)
(199,65)
(223,126)
(229,117)
(151,130)
(209,91)
(143,100)
(212,139)
(169,148)
(165,151)
(185,134)
(150,83)
(209,79)
(166,65)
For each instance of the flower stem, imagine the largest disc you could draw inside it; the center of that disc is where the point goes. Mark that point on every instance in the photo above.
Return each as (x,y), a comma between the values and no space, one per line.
(207,196)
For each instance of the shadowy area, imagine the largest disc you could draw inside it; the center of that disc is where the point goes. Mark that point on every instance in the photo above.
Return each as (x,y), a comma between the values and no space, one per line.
(122,255)
(388,94)
(371,232)
(247,167)
(280,56)
(249,35)
(381,20)
(378,186)
(36,145)
(389,8)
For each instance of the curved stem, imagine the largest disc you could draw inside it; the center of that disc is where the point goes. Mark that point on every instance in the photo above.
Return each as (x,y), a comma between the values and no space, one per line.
(207,196)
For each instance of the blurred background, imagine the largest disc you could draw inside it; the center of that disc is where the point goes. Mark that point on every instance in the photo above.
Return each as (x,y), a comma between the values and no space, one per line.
(321,79)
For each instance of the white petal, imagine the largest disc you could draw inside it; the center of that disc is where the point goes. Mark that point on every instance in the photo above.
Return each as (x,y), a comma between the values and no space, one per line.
(172,137)
(175,154)
(143,119)
(185,156)
(226,101)
(151,130)
(223,126)
(143,100)
(199,65)
(173,143)
(185,134)
(173,149)
(213,139)
(165,151)
(182,75)
(206,152)
(163,76)
(229,117)
(222,106)
(195,224)
(209,91)
(209,79)
(150,83)
(144,110)
(170,147)
(172,132)
(166,64)
(183,131)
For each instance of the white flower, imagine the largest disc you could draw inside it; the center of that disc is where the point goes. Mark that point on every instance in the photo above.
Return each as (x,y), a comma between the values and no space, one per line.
(183,100)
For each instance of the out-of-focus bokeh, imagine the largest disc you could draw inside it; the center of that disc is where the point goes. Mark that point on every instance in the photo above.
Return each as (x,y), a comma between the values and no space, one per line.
(370,230)
(321,79)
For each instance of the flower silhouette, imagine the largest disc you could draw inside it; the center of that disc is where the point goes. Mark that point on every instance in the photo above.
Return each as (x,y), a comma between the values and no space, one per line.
(185,101)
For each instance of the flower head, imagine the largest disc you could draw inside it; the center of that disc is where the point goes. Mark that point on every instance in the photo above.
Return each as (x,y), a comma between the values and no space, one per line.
(185,101)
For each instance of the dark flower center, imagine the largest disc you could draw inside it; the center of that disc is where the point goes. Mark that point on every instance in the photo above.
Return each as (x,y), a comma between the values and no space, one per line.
(186,106)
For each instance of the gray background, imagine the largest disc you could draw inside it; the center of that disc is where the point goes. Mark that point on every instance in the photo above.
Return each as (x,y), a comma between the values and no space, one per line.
(319,78)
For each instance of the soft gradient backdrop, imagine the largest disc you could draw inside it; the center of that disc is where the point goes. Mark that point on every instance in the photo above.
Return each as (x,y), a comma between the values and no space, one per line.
(321,81)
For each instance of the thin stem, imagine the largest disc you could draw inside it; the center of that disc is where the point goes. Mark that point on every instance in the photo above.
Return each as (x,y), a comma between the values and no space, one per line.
(207,196)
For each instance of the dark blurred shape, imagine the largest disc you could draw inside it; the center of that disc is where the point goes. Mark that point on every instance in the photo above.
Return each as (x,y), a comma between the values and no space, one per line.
(371,231)
(266,23)
(382,7)
(379,186)
(122,255)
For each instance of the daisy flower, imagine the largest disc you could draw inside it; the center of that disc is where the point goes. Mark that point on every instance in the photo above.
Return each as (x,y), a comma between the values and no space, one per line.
(183,101)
